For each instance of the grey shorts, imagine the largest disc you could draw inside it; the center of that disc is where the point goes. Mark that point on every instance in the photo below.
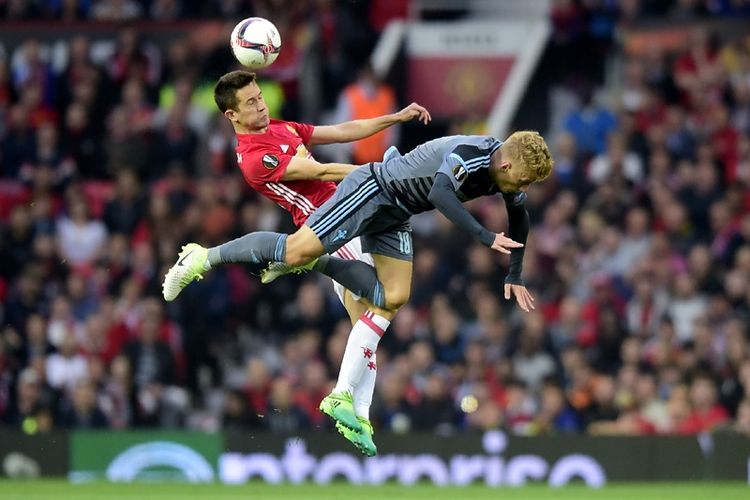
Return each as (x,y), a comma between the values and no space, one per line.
(360,207)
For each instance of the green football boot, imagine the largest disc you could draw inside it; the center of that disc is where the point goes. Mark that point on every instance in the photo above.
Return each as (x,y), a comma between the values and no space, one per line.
(278,269)
(361,440)
(340,407)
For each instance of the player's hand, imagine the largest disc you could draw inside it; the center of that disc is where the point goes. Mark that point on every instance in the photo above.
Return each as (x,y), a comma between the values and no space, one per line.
(414,111)
(523,296)
(503,244)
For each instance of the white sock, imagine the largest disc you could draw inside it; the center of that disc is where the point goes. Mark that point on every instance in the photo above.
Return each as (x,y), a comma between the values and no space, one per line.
(360,350)
(364,391)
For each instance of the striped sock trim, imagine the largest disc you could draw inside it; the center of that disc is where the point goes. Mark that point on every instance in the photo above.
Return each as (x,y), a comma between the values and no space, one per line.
(378,295)
(280,251)
(366,318)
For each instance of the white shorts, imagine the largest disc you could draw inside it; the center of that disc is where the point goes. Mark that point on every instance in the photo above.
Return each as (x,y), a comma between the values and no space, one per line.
(351,251)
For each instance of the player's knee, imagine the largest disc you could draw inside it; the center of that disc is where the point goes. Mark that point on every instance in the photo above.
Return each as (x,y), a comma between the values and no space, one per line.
(298,256)
(396,297)
(301,250)
(296,259)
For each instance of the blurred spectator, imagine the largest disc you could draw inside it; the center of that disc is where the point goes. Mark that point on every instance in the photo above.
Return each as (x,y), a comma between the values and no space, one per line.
(236,414)
(152,370)
(590,126)
(116,10)
(81,410)
(520,407)
(127,208)
(603,407)
(35,335)
(646,308)
(81,238)
(616,163)
(117,397)
(436,410)
(257,387)
(531,363)
(284,416)
(368,97)
(31,70)
(177,142)
(391,410)
(705,413)
(28,411)
(314,386)
(66,367)
(686,306)
(554,415)
(19,141)
(652,408)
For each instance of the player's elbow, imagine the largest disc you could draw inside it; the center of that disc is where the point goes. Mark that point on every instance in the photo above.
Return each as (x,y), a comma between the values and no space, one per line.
(322,172)
(336,172)
(327,172)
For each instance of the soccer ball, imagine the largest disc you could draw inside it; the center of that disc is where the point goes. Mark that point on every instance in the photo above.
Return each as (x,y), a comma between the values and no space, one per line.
(255,42)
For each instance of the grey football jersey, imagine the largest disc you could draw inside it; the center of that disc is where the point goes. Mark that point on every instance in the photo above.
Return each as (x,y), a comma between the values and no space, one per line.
(465,159)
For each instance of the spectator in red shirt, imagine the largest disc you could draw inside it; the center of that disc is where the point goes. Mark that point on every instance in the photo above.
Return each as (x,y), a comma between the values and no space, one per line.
(706,413)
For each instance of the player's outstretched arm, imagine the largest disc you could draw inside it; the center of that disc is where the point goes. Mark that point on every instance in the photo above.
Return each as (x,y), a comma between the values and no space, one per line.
(443,197)
(304,169)
(359,129)
(518,230)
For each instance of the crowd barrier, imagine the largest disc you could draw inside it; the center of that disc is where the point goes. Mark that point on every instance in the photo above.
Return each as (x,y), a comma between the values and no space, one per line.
(493,458)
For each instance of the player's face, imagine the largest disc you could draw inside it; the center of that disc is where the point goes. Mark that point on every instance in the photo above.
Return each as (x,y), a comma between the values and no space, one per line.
(509,179)
(251,113)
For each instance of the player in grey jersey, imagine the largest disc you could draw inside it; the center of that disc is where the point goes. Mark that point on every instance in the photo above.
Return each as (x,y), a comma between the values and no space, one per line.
(410,177)
(375,202)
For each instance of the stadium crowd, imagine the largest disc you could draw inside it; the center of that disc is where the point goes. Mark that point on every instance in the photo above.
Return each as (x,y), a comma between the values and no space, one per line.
(639,253)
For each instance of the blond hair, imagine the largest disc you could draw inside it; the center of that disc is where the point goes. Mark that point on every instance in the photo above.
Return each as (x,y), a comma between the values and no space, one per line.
(526,149)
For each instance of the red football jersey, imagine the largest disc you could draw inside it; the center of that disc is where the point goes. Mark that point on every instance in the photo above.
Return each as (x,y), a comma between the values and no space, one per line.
(263,159)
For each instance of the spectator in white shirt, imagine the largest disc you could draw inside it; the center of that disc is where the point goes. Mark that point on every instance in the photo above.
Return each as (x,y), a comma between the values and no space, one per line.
(66,367)
(81,239)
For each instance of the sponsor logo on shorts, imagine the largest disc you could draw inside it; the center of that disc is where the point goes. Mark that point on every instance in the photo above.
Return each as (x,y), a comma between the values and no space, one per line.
(340,235)
(270,161)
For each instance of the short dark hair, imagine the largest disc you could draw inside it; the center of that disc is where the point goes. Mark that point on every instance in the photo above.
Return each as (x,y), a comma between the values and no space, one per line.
(225,91)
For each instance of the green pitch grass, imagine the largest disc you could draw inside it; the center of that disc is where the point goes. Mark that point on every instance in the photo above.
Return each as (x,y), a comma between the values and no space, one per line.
(61,490)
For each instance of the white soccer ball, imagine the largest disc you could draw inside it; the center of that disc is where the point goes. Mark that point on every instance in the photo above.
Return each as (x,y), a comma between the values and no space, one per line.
(255,42)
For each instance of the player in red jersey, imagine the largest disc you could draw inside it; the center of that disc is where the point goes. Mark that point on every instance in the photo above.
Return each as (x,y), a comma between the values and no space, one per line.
(275,161)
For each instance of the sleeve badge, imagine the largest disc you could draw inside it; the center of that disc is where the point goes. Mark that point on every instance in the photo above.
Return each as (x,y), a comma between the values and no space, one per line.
(270,161)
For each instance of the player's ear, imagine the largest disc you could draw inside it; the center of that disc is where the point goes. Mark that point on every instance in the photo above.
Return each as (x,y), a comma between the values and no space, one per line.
(229,114)
(505,165)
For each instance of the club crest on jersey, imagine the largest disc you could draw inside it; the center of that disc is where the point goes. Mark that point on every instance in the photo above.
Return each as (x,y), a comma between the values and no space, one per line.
(270,161)
(459,172)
